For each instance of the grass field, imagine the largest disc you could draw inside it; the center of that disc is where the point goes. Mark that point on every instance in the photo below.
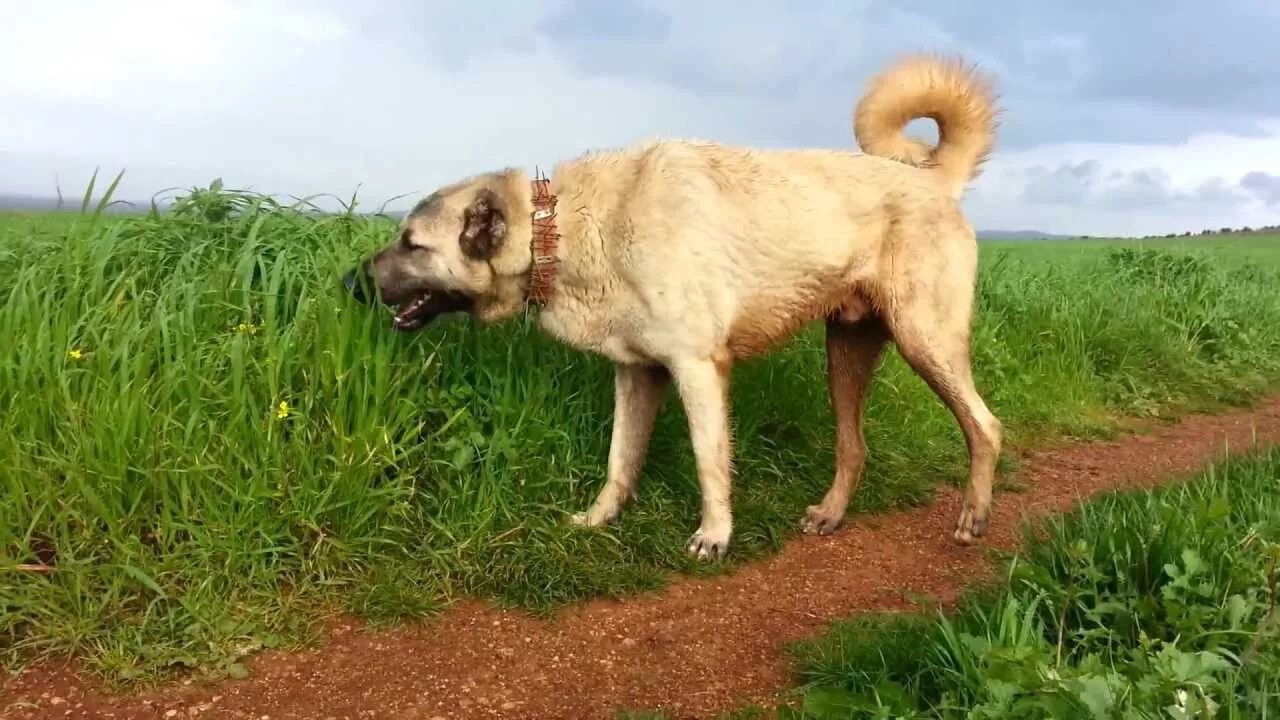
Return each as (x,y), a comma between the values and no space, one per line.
(213,446)
(1141,604)
(1155,604)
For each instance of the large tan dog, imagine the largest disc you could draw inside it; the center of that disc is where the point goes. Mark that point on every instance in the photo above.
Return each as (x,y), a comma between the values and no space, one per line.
(676,258)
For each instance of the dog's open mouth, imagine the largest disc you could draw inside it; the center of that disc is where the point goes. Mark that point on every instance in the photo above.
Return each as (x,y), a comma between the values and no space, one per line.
(415,313)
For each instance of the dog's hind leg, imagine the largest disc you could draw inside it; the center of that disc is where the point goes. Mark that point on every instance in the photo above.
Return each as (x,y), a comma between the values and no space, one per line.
(932,331)
(852,352)
(638,394)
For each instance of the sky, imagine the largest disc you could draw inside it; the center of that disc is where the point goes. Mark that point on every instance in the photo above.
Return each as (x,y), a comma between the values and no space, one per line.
(1138,118)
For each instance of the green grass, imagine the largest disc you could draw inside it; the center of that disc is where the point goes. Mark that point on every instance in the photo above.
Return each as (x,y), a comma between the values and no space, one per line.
(1234,250)
(189,523)
(1153,604)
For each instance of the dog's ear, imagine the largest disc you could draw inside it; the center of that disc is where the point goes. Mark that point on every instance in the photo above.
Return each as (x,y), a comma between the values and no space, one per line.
(484,226)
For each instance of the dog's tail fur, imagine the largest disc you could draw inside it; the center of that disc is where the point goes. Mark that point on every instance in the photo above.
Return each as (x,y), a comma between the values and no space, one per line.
(950,92)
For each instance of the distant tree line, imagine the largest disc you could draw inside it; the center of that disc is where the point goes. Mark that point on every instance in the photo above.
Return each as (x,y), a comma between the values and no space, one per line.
(1243,230)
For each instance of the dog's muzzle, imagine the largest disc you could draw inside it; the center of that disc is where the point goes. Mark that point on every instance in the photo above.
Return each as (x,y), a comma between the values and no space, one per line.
(414,309)
(359,282)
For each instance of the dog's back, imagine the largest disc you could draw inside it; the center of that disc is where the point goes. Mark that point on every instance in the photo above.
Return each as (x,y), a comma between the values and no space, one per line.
(755,243)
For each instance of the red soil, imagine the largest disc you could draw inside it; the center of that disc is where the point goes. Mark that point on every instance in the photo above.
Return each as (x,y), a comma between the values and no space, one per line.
(694,649)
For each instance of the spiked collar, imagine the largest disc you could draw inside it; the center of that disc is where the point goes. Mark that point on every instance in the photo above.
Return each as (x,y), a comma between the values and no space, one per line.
(542,274)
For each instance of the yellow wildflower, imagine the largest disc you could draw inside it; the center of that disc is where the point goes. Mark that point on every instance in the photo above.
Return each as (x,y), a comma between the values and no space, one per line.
(75,353)
(282,410)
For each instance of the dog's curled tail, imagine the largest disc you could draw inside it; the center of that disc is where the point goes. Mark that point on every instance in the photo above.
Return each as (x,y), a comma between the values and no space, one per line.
(949,91)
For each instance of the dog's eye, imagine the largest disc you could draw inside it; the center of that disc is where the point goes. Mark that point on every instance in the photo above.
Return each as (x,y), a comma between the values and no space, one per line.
(406,237)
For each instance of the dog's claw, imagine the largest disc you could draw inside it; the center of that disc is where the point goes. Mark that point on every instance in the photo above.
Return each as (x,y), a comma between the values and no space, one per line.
(591,518)
(819,522)
(705,547)
(971,525)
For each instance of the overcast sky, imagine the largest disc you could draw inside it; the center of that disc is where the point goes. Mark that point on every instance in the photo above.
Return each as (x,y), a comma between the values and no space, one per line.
(1124,118)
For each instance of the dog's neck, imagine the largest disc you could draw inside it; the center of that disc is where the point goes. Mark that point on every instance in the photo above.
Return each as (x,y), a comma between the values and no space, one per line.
(542,273)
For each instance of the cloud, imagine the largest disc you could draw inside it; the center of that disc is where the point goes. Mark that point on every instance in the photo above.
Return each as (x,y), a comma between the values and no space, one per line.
(1087,184)
(1067,75)
(153,55)
(1069,183)
(1264,185)
(591,23)
(359,107)
(1220,191)
(1144,71)
(1113,188)
(715,47)
(1104,127)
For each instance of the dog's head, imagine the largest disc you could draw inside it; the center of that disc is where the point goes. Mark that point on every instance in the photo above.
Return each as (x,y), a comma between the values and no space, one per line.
(464,248)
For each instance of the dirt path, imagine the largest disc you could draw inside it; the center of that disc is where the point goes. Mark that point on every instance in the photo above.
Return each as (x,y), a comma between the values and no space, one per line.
(698,647)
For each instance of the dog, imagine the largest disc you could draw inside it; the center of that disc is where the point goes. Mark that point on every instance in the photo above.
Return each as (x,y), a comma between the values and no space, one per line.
(676,258)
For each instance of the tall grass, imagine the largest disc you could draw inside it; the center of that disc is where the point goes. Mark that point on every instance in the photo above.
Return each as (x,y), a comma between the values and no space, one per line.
(211,446)
(1154,604)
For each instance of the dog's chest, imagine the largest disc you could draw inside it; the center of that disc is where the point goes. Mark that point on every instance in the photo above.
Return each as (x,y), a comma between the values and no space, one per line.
(587,328)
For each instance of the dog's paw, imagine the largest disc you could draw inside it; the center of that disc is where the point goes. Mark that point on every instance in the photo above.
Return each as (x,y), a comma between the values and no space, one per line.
(820,521)
(709,544)
(971,525)
(592,517)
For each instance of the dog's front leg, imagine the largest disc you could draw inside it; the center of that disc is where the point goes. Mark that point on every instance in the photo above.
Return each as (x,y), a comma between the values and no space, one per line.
(704,390)
(638,392)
